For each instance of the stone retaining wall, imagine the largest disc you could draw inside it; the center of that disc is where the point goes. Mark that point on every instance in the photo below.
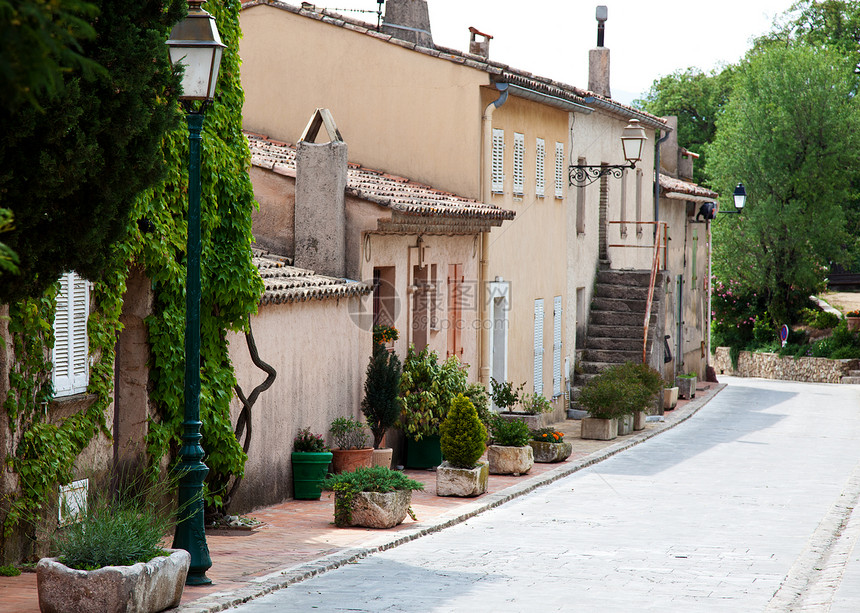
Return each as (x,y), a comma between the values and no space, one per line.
(771,366)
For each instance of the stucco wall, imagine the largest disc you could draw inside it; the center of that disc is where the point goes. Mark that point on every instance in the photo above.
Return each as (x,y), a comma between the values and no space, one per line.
(320,355)
(771,366)
(274,221)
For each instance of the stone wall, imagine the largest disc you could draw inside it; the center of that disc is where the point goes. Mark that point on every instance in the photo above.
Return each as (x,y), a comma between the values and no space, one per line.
(771,366)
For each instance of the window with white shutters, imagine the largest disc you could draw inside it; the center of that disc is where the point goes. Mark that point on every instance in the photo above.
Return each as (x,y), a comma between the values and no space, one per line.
(71,348)
(556,347)
(538,380)
(559,170)
(519,153)
(540,177)
(498,169)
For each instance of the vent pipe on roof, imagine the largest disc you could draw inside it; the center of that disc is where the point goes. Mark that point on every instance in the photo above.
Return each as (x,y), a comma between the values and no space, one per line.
(408,20)
(598,59)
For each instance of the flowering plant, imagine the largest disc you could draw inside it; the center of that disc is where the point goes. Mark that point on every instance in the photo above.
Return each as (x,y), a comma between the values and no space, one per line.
(384,334)
(853,314)
(307,441)
(548,435)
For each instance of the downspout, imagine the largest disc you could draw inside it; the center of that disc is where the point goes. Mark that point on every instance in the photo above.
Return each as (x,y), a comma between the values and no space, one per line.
(486,190)
(657,185)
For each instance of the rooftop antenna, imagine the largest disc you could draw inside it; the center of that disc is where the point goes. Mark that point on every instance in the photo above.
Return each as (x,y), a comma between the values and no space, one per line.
(602,15)
(378,11)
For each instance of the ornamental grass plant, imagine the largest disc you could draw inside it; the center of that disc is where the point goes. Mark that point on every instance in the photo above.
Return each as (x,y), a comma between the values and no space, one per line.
(463,436)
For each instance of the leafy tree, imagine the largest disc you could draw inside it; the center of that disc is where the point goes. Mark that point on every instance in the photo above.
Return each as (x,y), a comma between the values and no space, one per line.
(825,24)
(789,133)
(71,170)
(696,98)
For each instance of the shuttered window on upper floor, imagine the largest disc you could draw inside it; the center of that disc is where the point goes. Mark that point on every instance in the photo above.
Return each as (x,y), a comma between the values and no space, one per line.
(540,177)
(498,162)
(519,154)
(559,170)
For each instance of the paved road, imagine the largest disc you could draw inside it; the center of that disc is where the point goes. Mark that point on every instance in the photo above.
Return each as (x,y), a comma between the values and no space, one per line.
(747,506)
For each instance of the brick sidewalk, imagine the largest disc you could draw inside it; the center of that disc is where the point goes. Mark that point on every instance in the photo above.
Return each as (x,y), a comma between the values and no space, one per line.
(297,538)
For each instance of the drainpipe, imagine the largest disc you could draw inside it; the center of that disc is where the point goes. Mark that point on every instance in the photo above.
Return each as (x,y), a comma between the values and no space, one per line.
(657,184)
(486,190)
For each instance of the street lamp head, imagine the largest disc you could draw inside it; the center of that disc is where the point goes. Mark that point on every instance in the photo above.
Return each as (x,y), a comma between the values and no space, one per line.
(195,44)
(740,196)
(632,139)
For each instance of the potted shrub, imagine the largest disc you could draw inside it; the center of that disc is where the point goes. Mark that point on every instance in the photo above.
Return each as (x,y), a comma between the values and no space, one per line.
(427,388)
(510,453)
(549,445)
(686,385)
(853,322)
(311,459)
(463,440)
(112,558)
(372,497)
(380,404)
(350,440)
(645,384)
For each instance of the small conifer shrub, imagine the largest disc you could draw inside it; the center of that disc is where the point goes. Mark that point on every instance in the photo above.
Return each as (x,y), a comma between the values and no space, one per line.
(463,436)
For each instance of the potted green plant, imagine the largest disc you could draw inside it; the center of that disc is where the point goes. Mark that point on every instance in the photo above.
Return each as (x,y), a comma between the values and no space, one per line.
(380,404)
(427,388)
(603,397)
(372,497)
(311,459)
(549,445)
(670,397)
(463,440)
(112,558)
(686,385)
(853,322)
(646,383)
(510,452)
(350,445)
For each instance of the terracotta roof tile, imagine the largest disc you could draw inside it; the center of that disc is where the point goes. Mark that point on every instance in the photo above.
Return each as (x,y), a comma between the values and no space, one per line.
(672,185)
(397,193)
(285,283)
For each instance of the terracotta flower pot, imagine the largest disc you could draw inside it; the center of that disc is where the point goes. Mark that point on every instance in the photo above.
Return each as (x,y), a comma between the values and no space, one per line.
(346,460)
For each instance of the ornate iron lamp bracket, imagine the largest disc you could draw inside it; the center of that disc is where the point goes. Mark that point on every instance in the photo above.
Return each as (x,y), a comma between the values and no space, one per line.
(580,176)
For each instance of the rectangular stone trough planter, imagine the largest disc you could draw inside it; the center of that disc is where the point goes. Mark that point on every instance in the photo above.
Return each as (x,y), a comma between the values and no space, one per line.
(505,460)
(546,452)
(686,387)
(639,420)
(464,482)
(598,429)
(379,509)
(534,422)
(140,588)
(670,398)
(625,425)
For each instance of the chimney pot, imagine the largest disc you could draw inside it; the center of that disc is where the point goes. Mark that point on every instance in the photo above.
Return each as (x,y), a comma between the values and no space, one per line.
(479,47)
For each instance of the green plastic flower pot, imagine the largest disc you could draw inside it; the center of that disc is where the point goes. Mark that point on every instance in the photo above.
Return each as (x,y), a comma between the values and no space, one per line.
(426,453)
(309,469)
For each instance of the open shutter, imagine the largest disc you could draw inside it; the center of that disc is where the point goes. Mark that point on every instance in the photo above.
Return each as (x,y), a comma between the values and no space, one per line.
(538,376)
(540,177)
(559,170)
(71,347)
(556,347)
(498,169)
(519,153)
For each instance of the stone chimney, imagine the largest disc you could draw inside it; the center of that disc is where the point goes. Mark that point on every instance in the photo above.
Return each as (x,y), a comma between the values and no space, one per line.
(408,20)
(481,46)
(320,221)
(669,154)
(598,59)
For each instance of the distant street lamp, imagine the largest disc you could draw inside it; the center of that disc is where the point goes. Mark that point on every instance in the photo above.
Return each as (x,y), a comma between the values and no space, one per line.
(196,46)
(740,199)
(632,140)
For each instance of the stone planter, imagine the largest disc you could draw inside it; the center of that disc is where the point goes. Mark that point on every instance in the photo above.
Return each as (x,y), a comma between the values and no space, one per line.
(625,425)
(140,588)
(598,429)
(670,398)
(546,452)
(510,460)
(639,418)
(379,509)
(686,387)
(347,460)
(382,457)
(853,323)
(463,482)
(534,422)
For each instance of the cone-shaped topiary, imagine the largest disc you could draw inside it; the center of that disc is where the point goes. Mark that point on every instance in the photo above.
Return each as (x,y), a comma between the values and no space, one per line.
(380,405)
(463,436)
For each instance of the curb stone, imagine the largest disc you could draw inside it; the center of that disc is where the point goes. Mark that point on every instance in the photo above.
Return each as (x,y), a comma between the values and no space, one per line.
(221,601)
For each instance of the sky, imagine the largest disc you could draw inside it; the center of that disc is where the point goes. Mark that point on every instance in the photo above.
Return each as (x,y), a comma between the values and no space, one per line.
(647,39)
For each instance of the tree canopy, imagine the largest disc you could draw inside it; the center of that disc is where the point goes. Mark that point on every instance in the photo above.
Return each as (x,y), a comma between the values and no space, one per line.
(789,132)
(71,167)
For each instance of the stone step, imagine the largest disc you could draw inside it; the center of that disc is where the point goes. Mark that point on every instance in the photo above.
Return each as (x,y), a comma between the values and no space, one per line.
(592,368)
(616,318)
(639,278)
(596,331)
(627,292)
(854,373)
(614,356)
(618,304)
(613,344)
(851,380)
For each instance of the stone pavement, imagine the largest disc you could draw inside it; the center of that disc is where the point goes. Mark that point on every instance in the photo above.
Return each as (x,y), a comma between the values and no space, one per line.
(298,539)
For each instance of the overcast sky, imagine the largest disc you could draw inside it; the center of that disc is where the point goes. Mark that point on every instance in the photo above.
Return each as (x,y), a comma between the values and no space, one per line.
(647,38)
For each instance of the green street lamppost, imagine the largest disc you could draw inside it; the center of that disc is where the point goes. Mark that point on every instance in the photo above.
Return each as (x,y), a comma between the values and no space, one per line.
(196,46)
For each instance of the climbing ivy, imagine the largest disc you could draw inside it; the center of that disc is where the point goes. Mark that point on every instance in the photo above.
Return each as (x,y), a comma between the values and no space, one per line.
(45,453)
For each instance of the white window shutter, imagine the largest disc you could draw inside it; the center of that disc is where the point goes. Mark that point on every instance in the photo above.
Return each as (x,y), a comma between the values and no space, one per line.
(556,347)
(71,345)
(498,162)
(519,153)
(540,176)
(559,170)
(538,380)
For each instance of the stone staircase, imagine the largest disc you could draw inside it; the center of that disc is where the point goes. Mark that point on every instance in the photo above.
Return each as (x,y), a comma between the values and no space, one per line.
(616,323)
(853,377)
